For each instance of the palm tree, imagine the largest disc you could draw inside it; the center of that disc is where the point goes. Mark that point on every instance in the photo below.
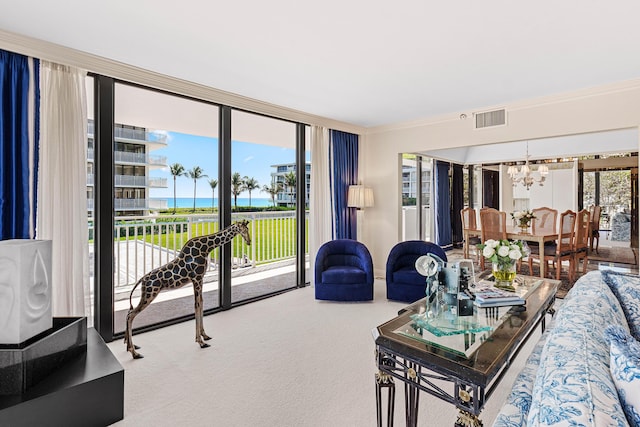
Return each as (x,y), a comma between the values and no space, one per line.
(176,170)
(213,183)
(195,174)
(273,189)
(290,182)
(250,184)
(237,186)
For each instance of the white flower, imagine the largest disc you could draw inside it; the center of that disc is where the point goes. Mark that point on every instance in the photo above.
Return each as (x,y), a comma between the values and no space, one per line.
(518,214)
(503,251)
(515,254)
(488,251)
(491,243)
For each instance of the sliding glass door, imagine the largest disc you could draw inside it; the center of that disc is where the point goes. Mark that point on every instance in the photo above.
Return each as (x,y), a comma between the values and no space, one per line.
(264,175)
(165,163)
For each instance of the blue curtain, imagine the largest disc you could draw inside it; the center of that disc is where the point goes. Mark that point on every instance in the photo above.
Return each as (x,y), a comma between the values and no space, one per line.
(344,149)
(457,203)
(17,177)
(443,205)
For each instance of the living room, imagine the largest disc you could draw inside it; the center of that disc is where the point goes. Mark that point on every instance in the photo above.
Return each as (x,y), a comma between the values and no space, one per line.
(569,106)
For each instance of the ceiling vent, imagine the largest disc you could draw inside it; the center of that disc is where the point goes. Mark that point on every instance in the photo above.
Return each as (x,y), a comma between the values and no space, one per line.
(491,118)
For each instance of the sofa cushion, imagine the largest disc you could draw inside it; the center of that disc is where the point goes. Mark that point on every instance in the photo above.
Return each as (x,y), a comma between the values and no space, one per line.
(626,287)
(573,384)
(625,370)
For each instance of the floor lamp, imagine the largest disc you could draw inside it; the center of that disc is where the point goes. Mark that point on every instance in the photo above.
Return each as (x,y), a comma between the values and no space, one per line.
(359,197)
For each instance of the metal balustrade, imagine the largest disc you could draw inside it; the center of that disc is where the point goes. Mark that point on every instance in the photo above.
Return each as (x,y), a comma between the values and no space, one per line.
(142,243)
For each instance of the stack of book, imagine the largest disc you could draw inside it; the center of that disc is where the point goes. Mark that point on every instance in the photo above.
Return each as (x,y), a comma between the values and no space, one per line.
(494,297)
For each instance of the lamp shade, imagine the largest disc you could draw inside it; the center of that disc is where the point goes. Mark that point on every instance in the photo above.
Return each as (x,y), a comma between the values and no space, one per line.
(359,196)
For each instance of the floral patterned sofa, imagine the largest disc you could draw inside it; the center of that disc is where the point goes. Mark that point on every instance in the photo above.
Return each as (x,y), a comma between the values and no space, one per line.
(575,376)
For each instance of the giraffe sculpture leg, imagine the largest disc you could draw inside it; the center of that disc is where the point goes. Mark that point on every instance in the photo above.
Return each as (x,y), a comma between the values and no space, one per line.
(201,336)
(147,294)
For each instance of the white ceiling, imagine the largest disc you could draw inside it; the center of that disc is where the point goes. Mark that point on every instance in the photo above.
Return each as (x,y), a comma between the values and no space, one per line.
(365,62)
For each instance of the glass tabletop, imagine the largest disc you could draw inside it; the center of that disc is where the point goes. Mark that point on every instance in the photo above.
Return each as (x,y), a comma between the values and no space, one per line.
(462,335)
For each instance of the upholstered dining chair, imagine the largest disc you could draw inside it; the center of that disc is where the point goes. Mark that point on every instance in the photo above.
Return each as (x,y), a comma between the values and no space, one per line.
(404,283)
(562,249)
(343,271)
(545,220)
(581,241)
(493,225)
(469,223)
(595,211)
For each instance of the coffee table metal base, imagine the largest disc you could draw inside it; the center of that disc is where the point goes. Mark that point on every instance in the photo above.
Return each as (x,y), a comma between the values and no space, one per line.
(468,398)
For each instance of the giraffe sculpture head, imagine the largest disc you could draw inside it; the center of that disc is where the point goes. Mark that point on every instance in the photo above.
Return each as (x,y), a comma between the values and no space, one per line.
(243,230)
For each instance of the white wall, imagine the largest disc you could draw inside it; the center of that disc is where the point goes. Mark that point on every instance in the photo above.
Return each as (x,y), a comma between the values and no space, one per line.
(607,108)
(559,190)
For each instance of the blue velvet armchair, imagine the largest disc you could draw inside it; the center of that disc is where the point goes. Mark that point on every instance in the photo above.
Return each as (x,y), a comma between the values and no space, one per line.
(344,271)
(404,283)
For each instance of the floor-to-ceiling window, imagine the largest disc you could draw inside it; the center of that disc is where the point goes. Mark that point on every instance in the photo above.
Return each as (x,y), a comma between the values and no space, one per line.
(163,169)
(415,181)
(165,173)
(264,178)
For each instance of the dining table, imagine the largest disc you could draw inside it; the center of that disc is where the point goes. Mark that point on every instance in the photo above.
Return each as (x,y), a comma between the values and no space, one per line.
(516,233)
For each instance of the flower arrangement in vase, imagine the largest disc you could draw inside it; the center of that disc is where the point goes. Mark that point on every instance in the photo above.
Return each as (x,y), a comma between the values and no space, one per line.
(523,218)
(503,255)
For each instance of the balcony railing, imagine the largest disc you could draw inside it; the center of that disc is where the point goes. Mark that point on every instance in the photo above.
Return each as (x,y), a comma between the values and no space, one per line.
(143,243)
(130,181)
(157,182)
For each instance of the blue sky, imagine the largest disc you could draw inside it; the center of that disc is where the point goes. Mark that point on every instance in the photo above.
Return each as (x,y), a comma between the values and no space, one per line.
(252,160)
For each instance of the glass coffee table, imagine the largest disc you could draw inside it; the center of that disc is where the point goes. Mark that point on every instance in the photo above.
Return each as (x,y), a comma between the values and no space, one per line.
(469,353)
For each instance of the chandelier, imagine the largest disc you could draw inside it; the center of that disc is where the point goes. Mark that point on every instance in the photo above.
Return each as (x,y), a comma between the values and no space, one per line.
(524,174)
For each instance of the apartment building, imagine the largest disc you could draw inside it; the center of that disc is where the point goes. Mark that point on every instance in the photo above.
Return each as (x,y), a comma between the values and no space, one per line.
(133,169)
(287,195)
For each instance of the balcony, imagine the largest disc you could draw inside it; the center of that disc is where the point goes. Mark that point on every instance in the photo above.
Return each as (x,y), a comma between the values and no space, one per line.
(143,244)
(139,158)
(130,204)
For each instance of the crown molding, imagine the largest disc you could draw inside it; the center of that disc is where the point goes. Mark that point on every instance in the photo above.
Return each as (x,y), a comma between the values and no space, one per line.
(617,87)
(92,63)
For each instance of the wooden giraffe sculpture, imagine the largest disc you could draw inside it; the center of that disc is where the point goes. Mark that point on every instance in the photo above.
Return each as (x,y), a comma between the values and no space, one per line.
(189,266)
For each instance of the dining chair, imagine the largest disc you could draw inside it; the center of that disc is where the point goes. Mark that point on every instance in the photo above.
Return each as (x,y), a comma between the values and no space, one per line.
(581,241)
(595,211)
(493,225)
(469,223)
(545,220)
(562,249)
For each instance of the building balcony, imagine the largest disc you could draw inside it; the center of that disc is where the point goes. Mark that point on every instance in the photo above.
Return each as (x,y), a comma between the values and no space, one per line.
(140,158)
(138,135)
(130,204)
(134,204)
(157,182)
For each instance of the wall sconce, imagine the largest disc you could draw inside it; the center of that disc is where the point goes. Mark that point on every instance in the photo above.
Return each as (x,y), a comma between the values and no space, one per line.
(360,197)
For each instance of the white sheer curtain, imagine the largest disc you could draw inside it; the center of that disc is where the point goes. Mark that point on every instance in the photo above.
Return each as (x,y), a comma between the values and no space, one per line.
(62,186)
(320,216)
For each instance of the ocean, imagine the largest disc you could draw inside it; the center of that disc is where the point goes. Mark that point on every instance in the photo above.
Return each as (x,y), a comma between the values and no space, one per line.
(205,202)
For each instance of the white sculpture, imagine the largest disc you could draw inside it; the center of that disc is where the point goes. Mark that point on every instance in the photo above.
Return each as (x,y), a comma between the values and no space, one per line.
(25,289)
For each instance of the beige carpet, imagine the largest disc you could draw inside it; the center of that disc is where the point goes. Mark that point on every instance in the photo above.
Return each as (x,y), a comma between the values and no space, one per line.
(285,361)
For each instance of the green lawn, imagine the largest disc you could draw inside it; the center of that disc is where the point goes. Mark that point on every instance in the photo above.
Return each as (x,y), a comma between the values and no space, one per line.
(271,239)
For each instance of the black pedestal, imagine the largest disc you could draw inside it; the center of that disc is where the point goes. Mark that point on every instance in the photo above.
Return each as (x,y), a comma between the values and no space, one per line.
(84,390)
(24,365)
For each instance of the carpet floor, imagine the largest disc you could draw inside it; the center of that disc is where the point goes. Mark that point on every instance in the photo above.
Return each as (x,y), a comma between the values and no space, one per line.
(284,361)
